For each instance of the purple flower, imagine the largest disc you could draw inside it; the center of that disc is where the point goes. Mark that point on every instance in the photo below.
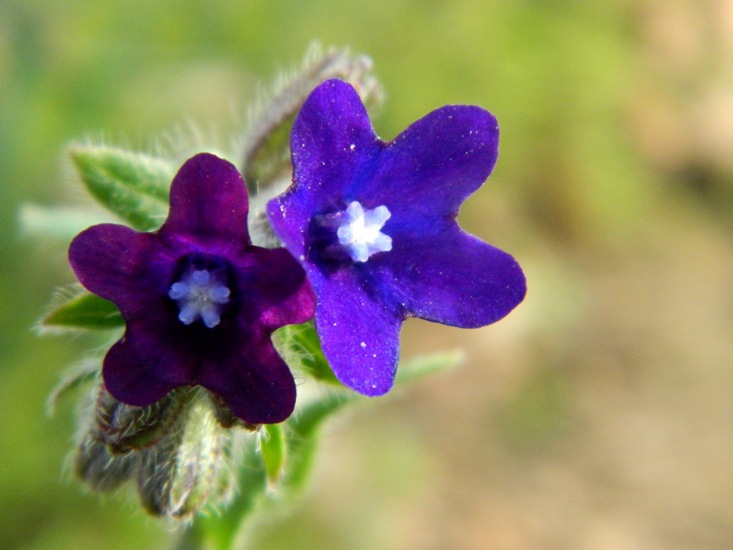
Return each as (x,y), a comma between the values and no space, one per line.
(200,302)
(373,224)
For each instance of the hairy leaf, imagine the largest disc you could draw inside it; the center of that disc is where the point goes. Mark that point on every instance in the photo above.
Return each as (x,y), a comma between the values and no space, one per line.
(132,185)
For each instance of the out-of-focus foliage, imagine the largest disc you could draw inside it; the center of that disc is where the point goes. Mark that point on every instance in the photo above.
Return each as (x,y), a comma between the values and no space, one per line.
(598,415)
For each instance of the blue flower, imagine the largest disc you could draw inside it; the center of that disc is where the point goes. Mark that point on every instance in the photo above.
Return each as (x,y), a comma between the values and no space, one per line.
(199,301)
(373,224)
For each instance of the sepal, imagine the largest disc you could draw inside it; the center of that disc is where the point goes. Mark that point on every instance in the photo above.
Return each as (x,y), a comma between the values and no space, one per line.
(101,470)
(125,428)
(274,448)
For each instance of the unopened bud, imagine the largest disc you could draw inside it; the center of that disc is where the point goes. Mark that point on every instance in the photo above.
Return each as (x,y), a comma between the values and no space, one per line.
(125,427)
(188,466)
(100,469)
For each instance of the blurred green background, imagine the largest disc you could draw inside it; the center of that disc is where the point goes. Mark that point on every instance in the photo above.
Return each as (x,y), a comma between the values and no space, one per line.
(598,415)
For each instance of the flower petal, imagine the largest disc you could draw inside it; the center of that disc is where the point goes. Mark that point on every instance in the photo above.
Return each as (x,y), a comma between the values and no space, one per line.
(141,367)
(331,141)
(451,277)
(431,167)
(275,289)
(208,202)
(117,263)
(252,379)
(359,331)
(331,138)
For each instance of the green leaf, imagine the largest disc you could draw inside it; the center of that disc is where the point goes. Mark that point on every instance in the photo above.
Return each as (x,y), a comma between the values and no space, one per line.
(83,311)
(274,451)
(303,440)
(132,185)
(307,423)
(304,427)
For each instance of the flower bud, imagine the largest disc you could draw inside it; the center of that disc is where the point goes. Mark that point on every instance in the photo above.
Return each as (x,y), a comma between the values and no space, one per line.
(190,466)
(124,427)
(100,469)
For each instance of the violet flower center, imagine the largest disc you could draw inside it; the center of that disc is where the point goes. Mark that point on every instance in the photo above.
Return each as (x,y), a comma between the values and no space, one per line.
(201,295)
(359,231)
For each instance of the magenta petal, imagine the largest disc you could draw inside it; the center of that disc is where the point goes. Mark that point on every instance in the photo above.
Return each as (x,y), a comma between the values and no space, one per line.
(253,380)
(452,278)
(198,299)
(140,368)
(208,202)
(435,164)
(117,263)
(359,332)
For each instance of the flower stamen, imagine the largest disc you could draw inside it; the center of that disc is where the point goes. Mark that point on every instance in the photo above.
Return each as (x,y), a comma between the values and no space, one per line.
(199,295)
(359,232)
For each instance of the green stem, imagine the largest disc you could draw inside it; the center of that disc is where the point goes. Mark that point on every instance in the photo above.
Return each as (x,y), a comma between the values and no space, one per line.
(191,539)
